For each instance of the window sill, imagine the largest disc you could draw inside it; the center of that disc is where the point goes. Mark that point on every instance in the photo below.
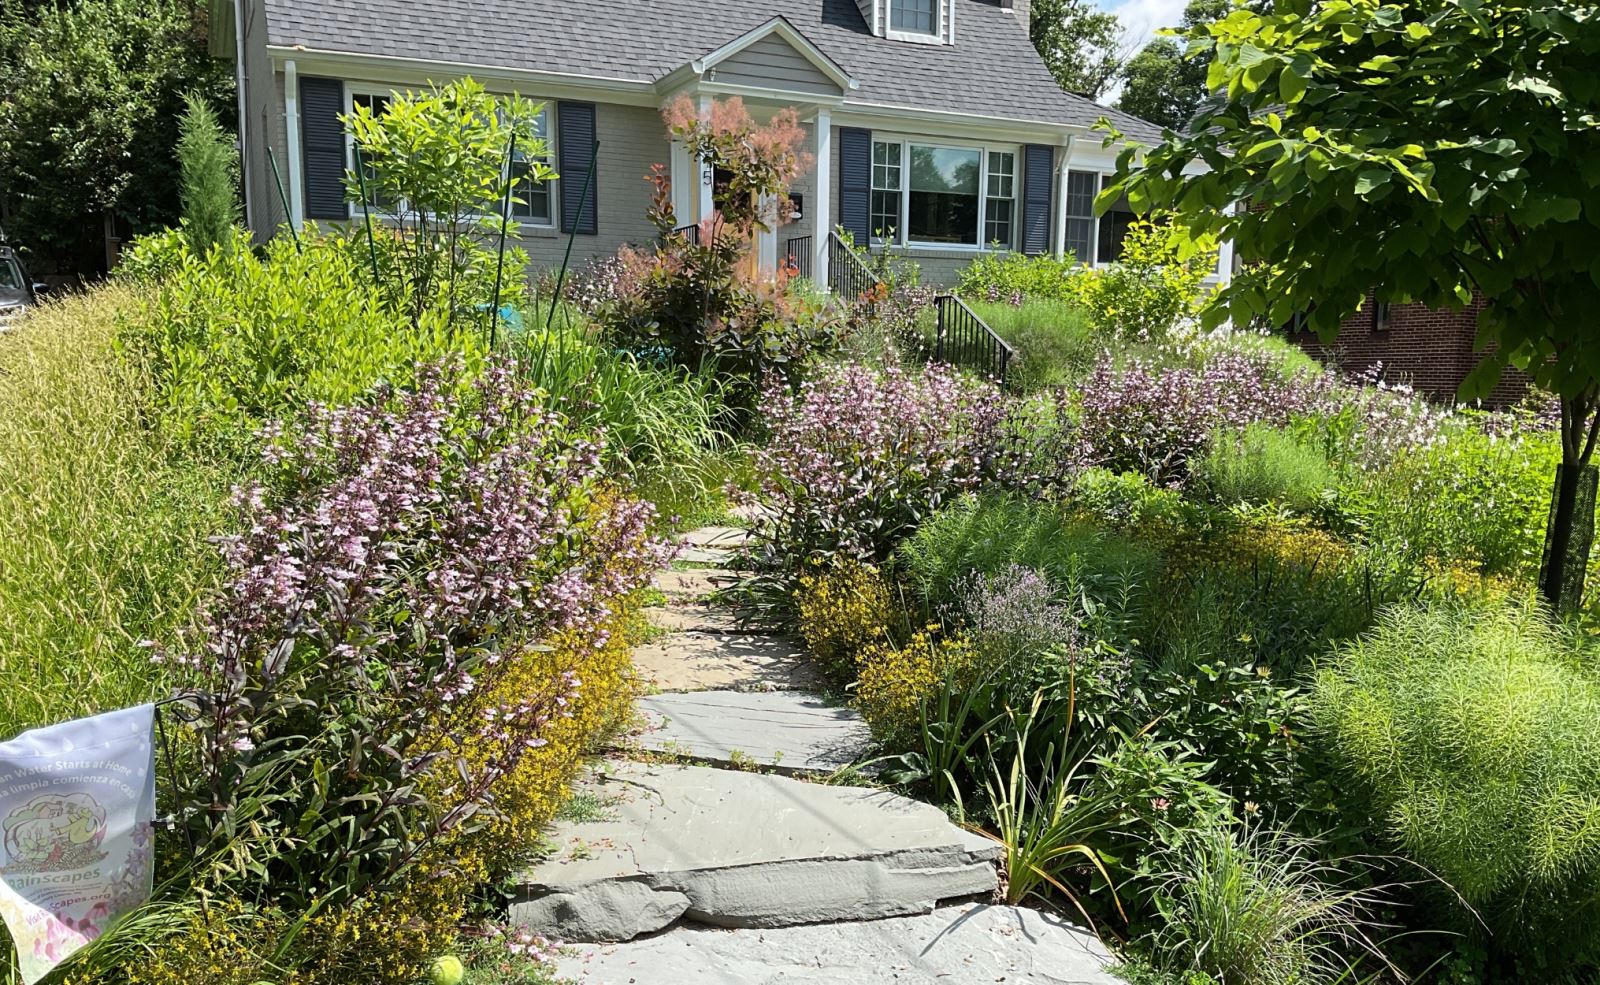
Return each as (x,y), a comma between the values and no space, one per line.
(913,37)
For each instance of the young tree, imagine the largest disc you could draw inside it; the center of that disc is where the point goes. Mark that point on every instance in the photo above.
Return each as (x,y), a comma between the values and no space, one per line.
(210,172)
(1166,80)
(1081,44)
(440,165)
(1432,151)
(90,95)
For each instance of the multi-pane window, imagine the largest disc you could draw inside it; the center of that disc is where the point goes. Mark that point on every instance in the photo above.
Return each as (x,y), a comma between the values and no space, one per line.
(378,203)
(957,196)
(1000,205)
(1114,223)
(536,205)
(943,204)
(1081,189)
(914,16)
(886,188)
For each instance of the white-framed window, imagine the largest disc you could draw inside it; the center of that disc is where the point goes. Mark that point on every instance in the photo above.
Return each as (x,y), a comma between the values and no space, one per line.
(537,206)
(1000,203)
(915,16)
(887,187)
(943,195)
(375,100)
(1093,239)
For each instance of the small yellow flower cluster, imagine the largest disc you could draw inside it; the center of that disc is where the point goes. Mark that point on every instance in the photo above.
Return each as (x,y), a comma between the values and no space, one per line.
(1273,544)
(896,681)
(843,609)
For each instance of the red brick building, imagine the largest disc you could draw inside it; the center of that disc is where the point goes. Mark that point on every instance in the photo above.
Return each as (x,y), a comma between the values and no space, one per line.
(1430,349)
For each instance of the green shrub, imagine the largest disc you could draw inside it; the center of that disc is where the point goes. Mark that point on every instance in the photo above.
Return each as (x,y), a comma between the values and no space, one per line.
(103,525)
(1262,464)
(234,340)
(1472,497)
(1469,738)
(1156,284)
(992,533)
(1054,340)
(1011,277)
(1128,500)
(207,160)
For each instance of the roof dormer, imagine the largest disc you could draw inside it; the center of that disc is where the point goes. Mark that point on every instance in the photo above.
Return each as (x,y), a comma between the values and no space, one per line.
(916,21)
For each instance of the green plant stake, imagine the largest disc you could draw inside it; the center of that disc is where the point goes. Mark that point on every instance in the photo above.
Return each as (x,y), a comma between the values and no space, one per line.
(366,214)
(583,200)
(500,251)
(294,233)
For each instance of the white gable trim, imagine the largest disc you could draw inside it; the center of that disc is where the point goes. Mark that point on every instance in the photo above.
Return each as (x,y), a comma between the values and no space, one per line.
(799,42)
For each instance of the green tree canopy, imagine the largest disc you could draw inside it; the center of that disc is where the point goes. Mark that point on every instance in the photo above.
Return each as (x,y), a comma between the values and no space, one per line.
(1166,80)
(1429,150)
(89,117)
(1081,44)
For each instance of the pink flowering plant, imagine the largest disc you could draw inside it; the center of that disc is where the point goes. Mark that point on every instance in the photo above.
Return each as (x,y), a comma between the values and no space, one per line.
(400,558)
(857,458)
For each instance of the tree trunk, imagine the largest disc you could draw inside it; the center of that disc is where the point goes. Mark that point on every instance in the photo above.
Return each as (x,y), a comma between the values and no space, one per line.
(1570,532)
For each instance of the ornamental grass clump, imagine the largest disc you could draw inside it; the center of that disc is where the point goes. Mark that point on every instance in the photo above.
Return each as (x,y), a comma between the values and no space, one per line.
(363,687)
(1467,736)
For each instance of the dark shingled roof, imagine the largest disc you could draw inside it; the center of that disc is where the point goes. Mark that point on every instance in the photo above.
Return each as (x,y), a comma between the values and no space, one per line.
(991,70)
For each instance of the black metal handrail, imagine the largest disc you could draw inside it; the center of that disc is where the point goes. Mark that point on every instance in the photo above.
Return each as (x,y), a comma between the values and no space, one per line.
(848,277)
(963,339)
(799,252)
(691,232)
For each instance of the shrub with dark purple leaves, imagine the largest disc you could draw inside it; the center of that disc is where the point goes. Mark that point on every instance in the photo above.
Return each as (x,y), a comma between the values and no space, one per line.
(402,557)
(1140,417)
(856,459)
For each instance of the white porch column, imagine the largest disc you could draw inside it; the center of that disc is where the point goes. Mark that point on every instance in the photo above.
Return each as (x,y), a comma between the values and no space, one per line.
(685,179)
(821,209)
(1061,195)
(703,174)
(291,126)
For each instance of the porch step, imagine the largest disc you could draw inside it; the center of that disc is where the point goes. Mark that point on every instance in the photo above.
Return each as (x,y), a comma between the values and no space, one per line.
(736,849)
(788,730)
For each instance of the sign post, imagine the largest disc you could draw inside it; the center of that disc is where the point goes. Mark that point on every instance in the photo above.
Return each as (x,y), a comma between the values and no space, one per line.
(77,812)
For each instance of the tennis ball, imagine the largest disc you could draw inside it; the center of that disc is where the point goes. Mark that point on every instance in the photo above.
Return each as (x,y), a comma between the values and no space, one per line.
(447,970)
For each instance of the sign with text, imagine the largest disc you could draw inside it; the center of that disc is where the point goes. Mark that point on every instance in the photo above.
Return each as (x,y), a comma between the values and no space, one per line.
(77,808)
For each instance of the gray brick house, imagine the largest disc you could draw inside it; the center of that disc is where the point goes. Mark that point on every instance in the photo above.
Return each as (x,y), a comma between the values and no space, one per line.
(933,119)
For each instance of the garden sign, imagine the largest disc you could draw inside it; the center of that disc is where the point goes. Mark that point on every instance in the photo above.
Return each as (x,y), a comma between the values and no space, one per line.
(77,806)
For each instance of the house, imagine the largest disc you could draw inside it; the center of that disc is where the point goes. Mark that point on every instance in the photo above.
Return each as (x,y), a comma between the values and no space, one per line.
(933,119)
(1429,349)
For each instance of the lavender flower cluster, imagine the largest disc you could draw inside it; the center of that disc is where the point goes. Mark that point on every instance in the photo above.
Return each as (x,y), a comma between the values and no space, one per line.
(857,458)
(401,555)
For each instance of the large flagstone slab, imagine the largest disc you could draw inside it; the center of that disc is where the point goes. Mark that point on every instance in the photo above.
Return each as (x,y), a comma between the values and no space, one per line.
(787,729)
(725,662)
(736,849)
(956,945)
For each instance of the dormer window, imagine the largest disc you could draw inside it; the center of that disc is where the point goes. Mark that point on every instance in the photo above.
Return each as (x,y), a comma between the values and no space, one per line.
(914,16)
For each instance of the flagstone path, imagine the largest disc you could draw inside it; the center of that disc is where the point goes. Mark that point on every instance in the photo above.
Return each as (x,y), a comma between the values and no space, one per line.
(723,854)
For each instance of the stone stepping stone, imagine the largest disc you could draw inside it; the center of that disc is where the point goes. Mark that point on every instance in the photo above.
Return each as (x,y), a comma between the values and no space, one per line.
(790,730)
(724,538)
(714,556)
(693,583)
(692,617)
(954,945)
(736,849)
(726,662)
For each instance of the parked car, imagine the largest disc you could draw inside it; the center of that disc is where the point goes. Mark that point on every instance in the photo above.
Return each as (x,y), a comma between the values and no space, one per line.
(17,292)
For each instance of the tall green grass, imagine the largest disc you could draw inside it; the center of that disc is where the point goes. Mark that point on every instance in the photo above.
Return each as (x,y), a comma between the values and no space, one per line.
(1055,341)
(103,526)
(1261,464)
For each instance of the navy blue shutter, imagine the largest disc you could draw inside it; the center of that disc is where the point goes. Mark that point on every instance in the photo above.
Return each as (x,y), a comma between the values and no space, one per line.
(855,182)
(575,130)
(322,163)
(1038,169)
